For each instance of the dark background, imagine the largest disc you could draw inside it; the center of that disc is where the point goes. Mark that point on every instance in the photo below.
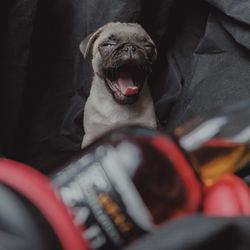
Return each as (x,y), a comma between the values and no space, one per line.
(204,63)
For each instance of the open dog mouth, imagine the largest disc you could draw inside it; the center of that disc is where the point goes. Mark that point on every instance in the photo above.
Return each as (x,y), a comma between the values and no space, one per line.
(125,81)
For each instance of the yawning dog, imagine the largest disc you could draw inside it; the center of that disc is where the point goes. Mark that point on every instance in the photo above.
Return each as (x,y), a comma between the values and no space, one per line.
(123,54)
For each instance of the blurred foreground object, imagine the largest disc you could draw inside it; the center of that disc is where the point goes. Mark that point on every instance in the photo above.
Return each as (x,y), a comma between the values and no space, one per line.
(131,181)
(218,142)
(122,186)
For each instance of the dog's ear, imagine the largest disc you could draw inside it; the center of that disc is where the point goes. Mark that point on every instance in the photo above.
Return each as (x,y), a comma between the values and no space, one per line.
(87,43)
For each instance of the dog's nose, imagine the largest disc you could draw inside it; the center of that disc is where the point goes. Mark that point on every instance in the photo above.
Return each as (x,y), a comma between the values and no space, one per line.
(130,49)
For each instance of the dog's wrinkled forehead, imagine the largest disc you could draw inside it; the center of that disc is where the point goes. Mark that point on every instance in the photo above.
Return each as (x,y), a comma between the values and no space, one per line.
(123,31)
(119,32)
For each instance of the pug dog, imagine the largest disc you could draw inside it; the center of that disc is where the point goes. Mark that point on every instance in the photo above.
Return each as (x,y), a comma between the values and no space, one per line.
(123,54)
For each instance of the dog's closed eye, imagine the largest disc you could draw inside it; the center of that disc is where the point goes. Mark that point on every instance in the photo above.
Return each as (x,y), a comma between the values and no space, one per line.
(149,45)
(107,44)
(106,47)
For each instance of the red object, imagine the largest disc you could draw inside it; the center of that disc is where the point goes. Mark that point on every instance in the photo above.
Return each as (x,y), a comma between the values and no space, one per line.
(228,196)
(191,182)
(38,189)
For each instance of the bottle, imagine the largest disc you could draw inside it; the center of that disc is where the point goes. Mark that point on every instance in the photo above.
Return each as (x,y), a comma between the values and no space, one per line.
(218,142)
(126,184)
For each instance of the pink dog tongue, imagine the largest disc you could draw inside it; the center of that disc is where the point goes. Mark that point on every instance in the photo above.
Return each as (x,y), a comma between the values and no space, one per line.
(126,84)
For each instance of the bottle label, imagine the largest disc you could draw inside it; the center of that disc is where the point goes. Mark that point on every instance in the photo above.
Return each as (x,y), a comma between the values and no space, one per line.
(98,204)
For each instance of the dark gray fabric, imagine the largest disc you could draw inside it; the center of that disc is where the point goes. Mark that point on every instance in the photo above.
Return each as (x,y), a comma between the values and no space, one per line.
(198,233)
(204,63)
(213,58)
